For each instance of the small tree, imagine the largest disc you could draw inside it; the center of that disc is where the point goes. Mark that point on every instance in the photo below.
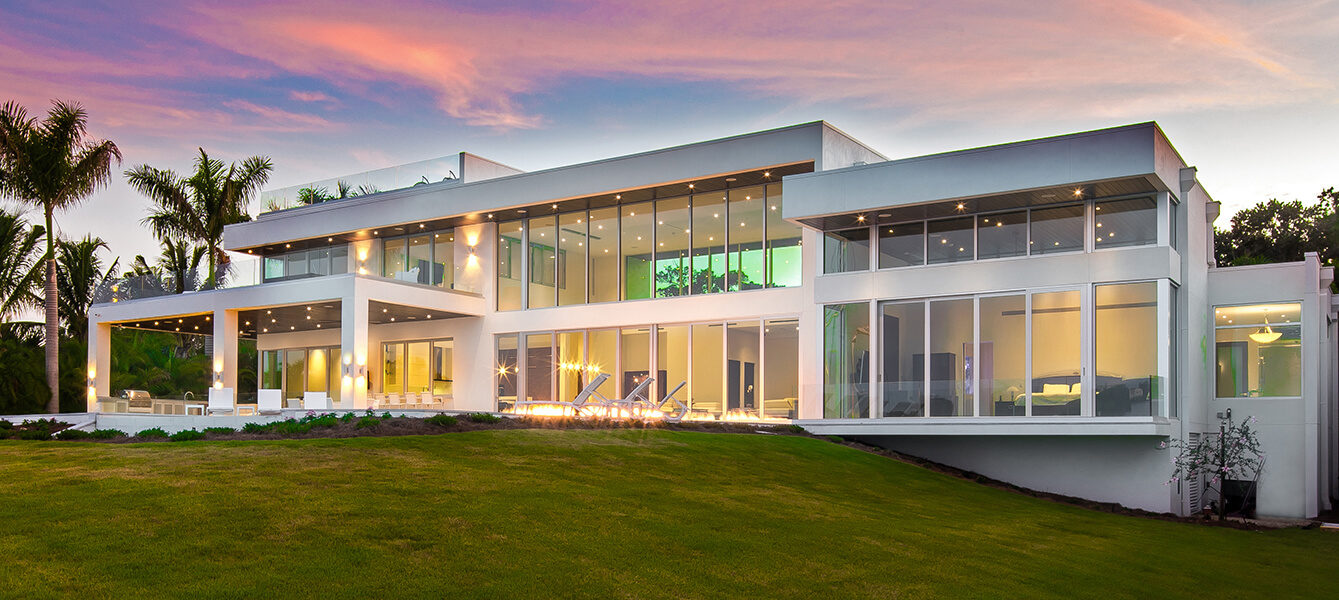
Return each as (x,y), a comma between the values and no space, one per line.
(1233,454)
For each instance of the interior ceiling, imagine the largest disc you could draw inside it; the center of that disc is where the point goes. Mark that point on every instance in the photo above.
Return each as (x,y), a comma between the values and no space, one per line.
(285,319)
(709,184)
(983,204)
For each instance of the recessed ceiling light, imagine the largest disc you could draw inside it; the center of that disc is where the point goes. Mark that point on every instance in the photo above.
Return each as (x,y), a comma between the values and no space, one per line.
(729,179)
(881,215)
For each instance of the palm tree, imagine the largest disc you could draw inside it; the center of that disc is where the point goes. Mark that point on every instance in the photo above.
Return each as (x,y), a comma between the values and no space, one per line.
(79,275)
(197,208)
(53,164)
(180,265)
(20,264)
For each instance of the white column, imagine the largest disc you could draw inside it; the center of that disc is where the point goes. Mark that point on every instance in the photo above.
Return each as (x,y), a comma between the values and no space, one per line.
(225,350)
(99,362)
(353,353)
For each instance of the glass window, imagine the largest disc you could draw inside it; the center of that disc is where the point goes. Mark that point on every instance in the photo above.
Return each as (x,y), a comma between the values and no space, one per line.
(543,262)
(443,259)
(742,367)
(339,259)
(604,255)
(392,372)
(1258,351)
(673,245)
(1126,381)
(393,258)
(1057,229)
(418,265)
(271,370)
(951,357)
(746,264)
(708,363)
(572,375)
(442,355)
(318,261)
(274,267)
(508,371)
(539,367)
(846,361)
(845,251)
(572,258)
(634,359)
(1000,363)
(901,245)
(638,234)
(295,264)
(672,362)
(950,240)
(903,375)
(784,255)
(602,357)
(1002,234)
(708,243)
(295,372)
(1056,351)
(1132,222)
(781,368)
(318,370)
(509,236)
(418,367)
(332,375)
(1174,352)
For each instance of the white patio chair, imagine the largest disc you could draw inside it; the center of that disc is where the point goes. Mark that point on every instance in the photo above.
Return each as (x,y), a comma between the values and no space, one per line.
(315,401)
(220,401)
(587,392)
(683,408)
(270,402)
(393,402)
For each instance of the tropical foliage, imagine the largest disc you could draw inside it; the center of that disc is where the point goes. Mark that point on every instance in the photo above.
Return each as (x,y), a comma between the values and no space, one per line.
(198,207)
(79,276)
(51,165)
(21,266)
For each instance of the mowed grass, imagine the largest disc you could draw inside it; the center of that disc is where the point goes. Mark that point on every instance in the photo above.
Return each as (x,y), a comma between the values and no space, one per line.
(606,513)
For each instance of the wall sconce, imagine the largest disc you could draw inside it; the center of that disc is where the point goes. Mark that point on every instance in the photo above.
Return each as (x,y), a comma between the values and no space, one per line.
(218,374)
(355,371)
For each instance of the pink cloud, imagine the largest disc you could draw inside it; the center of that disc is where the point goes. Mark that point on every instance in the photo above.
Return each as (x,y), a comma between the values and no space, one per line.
(1111,58)
(309,96)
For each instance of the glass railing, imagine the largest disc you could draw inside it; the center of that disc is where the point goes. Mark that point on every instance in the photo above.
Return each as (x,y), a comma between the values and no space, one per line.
(434,170)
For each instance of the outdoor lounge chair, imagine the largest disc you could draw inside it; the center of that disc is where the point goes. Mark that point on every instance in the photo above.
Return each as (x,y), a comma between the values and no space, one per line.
(683,408)
(315,401)
(270,402)
(220,401)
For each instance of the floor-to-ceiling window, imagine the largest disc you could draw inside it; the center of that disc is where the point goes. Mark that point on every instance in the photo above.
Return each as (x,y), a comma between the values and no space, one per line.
(604,254)
(571,369)
(903,353)
(508,371)
(1057,349)
(746,262)
(637,232)
(1001,363)
(634,359)
(846,361)
(539,367)
(781,368)
(295,372)
(1125,340)
(743,360)
(673,269)
(602,358)
(708,368)
(572,237)
(709,226)
(672,355)
(784,253)
(509,265)
(951,357)
(1258,351)
(443,382)
(543,257)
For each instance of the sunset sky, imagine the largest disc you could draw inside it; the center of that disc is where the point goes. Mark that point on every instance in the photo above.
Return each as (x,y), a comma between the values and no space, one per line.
(1247,91)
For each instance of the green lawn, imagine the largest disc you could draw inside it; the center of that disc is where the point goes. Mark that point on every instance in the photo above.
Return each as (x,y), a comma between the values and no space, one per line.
(547,513)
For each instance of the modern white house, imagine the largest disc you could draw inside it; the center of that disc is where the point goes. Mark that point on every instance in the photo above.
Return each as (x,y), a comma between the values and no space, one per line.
(1043,312)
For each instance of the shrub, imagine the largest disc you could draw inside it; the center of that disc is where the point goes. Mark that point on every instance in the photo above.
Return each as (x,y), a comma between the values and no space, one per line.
(795,428)
(258,427)
(219,430)
(385,415)
(346,417)
(323,421)
(155,432)
(443,420)
(6,424)
(483,418)
(35,434)
(366,422)
(187,435)
(107,434)
(73,434)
